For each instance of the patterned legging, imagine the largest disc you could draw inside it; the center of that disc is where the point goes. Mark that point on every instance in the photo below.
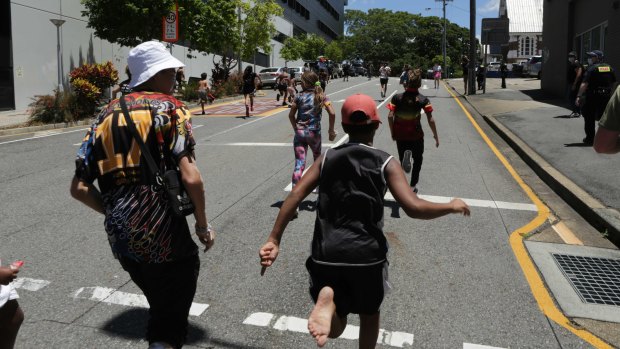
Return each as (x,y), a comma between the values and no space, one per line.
(303,139)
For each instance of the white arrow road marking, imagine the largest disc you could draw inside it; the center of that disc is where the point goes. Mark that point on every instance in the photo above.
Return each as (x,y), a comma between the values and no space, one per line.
(295,324)
(29,284)
(112,296)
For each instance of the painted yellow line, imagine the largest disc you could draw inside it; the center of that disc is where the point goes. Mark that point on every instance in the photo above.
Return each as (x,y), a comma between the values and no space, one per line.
(541,294)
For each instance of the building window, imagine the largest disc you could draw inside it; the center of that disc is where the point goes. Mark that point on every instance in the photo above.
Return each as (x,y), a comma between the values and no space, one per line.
(327,30)
(593,39)
(332,11)
(527,46)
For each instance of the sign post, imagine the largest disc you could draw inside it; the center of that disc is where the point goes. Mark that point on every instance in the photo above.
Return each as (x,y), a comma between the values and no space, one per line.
(170,26)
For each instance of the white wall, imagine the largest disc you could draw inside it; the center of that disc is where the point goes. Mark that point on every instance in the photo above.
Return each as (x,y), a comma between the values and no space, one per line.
(34,47)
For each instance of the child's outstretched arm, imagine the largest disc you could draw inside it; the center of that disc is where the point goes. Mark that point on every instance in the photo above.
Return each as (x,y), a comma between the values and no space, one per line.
(269,252)
(413,206)
(431,124)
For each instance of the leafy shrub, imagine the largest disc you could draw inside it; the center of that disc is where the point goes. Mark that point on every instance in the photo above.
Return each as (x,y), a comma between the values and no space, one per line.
(88,83)
(190,92)
(53,108)
(229,87)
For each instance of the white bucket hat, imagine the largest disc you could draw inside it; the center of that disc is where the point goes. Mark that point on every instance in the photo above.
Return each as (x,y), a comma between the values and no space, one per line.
(148,59)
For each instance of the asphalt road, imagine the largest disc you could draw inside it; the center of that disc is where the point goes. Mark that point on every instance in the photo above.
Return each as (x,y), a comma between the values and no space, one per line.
(456,282)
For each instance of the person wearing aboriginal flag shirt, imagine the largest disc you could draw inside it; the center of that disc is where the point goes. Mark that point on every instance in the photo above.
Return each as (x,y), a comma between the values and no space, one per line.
(406,128)
(151,243)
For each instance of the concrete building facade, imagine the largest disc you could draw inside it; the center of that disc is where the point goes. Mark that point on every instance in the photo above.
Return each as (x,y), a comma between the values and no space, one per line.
(580,26)
(28,44)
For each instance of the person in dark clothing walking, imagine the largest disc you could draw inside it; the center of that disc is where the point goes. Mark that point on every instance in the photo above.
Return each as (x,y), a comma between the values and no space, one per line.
(574,76)
(594,92)
(503,72)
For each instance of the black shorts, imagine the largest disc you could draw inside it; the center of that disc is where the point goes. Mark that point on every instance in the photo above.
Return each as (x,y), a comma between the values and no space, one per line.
(383,81)
(357,290)
(282,87)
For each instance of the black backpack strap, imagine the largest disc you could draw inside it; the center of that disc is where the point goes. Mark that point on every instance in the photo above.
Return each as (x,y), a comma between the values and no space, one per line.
(145,150)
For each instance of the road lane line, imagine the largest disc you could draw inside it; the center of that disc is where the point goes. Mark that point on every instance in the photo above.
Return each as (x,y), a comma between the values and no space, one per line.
(475,202)
(351,332)
(112,296)
(265,144)
(29,284)
(43,136)
(478,346)
(537,286)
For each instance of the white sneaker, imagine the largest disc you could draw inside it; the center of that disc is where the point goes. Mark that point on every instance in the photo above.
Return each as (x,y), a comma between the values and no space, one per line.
(407,161)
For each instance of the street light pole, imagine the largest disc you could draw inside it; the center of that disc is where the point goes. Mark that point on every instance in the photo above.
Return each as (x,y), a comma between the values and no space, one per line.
(443,40)
(473,60)
(58,23)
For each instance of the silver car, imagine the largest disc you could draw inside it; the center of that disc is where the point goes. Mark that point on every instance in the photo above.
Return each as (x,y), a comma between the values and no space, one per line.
(269,75)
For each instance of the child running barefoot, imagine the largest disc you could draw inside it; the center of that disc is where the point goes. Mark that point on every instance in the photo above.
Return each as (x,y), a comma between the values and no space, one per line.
(405,127)
(248,88)
(348,260)
(203,91)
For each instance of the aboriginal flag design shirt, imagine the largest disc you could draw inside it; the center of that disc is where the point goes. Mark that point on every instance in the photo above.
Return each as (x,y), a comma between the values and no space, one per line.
(138,220)
(407,108)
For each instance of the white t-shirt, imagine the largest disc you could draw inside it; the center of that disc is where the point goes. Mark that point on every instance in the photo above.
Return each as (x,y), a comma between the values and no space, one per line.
(384,72)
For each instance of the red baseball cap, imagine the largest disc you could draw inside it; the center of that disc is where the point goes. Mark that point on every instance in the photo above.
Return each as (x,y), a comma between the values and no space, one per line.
(363,103)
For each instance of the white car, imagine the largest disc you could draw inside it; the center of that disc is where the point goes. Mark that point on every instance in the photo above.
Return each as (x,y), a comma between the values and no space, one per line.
(269,75)
(494,66)
(533,67)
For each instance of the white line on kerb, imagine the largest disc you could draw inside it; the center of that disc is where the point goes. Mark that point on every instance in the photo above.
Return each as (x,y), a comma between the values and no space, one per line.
(29,284)
(295,324)
(112,296)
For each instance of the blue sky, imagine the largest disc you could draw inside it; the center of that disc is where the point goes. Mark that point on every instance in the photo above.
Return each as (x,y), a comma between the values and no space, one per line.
(457,11)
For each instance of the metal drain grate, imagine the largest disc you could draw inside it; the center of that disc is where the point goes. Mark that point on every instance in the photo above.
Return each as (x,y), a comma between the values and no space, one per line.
(596,280)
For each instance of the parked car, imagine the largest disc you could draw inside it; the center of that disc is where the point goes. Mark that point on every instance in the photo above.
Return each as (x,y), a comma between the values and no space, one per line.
(357,66)
(533,67)
(494,66)
(296,72)
(268,75)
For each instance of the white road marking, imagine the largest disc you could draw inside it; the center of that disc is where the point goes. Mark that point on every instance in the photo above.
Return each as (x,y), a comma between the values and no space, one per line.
(475,202)
(295,324)
(43,136)
(112,296)
(29,284)
(247,144)
(478,346)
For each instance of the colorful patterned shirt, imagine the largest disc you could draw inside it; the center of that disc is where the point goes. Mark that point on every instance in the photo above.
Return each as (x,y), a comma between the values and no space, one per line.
(307,115)
(407,108)
(138,220)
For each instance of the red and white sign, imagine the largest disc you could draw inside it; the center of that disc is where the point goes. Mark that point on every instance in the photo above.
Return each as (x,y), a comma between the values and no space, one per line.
(170,25)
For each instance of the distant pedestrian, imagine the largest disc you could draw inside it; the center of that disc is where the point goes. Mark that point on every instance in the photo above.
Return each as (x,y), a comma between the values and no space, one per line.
(203,91)
(465,67)
(180,78)
(123,86)
(437,74)
(406,128)
(594,92)
(503,72)
(404,76)
(323,79)
(282,83)
(346,70)
(306,67)
(305,118)
(152,242)
(348,265)
(607,138)
(250,80)
(370,69)
(574,76)
(481,76)
(11,314)
(384,75)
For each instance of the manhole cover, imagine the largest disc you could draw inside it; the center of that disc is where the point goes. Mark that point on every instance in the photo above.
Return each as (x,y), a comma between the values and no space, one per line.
(596,280)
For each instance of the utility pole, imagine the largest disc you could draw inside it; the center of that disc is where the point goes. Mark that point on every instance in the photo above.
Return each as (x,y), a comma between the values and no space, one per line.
(58,23)
(443,41)
(473,60)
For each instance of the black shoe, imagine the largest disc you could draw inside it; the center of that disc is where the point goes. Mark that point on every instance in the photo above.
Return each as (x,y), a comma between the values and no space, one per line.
(415,189)
(407,161)
(278,97)
(284,104)
(587,141)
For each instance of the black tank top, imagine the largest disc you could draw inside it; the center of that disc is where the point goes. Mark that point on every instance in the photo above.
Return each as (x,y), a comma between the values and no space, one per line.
(349,223)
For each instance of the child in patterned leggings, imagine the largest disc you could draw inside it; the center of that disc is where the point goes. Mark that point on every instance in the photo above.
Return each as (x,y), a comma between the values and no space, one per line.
(305,118)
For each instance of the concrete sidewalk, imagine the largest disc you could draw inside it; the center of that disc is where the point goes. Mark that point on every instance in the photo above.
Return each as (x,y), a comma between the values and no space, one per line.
(538,128)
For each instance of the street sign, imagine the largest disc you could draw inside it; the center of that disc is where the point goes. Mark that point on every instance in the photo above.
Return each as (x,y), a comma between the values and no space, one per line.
(494,31)
(170,25)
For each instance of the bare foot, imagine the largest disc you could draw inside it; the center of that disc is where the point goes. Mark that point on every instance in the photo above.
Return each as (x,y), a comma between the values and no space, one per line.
(320,320)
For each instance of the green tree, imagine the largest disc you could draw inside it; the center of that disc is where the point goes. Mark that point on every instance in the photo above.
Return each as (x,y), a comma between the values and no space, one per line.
(292,48)
(333,50)
(313,46)
(257,26)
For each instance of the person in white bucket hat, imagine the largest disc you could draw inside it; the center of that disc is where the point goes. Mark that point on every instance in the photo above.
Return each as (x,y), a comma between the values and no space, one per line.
(151,242)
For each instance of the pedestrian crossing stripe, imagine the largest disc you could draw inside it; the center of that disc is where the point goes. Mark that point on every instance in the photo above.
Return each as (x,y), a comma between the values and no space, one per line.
(29,284)
(112,296)
(351,332)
